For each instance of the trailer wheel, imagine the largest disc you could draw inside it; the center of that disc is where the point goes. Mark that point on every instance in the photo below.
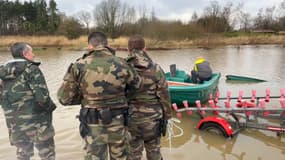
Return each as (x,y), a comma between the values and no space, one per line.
(214,128)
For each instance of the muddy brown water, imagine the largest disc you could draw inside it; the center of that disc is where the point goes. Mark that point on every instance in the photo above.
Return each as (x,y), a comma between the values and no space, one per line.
(264,62)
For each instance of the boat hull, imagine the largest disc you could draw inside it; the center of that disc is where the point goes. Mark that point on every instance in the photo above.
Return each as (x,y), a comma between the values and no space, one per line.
(191,93)
(243,79)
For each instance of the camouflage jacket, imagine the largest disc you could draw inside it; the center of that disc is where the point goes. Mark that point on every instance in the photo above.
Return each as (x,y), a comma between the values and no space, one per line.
(97,80)
(154,91)
(1,89)
(24,95)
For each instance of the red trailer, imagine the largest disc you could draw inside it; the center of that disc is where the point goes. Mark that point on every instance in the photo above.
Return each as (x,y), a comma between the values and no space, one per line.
(226,120)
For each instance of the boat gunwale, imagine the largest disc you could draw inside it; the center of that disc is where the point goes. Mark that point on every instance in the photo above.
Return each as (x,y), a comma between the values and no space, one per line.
(206,85)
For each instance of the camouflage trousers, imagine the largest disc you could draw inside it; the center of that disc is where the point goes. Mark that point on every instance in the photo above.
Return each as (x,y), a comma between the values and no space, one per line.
(104,140)
(41,138)
(145,135)
(26,149)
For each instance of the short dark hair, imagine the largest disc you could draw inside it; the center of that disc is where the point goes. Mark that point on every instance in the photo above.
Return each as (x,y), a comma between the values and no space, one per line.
(136,42)
(97,38)
(18,48)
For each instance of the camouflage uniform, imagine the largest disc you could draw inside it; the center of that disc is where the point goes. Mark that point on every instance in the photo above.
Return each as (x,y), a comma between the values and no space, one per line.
(99,81)
(1,88)
(27,108)
(150,103)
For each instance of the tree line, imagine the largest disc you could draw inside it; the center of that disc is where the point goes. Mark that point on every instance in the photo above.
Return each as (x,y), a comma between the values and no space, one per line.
(28,17)
(121,19)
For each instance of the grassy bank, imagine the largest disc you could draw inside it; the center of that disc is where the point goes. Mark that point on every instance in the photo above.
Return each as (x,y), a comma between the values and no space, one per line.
(211,41)
(43,41)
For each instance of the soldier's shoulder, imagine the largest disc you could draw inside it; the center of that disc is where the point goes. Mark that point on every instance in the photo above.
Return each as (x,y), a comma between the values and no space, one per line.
(32,66)
(1,67)
(32,69)
(130,58)
(159,69)
(80,58)
(85,55)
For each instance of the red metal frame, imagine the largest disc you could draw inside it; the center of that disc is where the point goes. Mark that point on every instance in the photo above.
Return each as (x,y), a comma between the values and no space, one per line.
(275,129)
(255,107)
(222,122)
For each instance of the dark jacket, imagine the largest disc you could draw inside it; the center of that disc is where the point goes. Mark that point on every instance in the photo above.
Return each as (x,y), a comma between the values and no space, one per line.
(202,69)
(24,95)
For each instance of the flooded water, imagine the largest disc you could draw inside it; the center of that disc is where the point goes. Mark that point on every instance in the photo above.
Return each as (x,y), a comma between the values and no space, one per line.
(264,62)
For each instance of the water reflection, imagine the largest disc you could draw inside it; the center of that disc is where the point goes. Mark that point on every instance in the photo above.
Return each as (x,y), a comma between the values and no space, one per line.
(224,146)
(269,140)
(244,146)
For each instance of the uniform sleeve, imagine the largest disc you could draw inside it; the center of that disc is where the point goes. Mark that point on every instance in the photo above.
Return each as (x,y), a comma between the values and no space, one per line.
(1,90)
(163,94)
(69,93)
(37,84)
(1,83)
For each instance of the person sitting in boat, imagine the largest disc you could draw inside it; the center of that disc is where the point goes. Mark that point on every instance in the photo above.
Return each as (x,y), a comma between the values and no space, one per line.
(201,71)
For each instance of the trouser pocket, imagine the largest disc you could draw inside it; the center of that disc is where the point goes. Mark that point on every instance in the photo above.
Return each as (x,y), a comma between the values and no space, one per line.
(106,116)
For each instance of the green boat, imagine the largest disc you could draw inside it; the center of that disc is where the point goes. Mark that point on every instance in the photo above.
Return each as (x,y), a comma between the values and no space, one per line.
(181,88)
(243,79)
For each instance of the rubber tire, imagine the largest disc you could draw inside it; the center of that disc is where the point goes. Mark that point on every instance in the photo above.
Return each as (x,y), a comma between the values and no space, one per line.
(213,127)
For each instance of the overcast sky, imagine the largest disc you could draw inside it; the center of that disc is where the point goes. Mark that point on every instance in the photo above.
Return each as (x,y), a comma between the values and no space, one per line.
(168,9)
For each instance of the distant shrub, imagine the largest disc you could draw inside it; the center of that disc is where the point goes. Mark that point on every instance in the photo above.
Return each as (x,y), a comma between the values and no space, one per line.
(71,28)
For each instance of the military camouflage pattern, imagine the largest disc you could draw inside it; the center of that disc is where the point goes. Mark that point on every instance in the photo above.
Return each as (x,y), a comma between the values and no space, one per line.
(153,97)
(145,135)
(97,148)
(1,89)
(46,149)
(100,80)
(150,103)
(27,108)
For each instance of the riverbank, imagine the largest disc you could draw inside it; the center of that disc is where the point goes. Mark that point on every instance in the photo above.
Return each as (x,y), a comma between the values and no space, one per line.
(60,42)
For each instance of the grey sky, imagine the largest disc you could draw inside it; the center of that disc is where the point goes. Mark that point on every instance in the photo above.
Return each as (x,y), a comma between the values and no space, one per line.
(168,9)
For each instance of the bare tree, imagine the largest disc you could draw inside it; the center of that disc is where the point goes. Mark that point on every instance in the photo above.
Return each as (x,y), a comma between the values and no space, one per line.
(153,16)
(245,21)
(259,19)
(216,18)
(194,17)
(142,12)
(226,14)
(265,20)
(283,4)
(213,10)
(85,18)
(227,11)
(282,15)
(243,18)
(269,17)
(110,15)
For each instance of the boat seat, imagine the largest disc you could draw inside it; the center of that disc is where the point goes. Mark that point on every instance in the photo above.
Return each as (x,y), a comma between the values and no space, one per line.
(173,70)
